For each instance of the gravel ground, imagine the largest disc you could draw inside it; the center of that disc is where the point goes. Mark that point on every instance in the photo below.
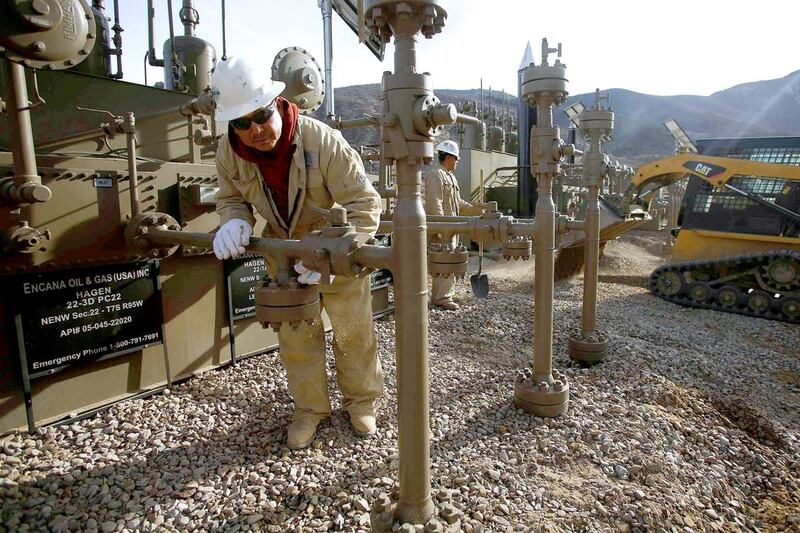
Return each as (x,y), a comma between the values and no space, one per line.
(692,424)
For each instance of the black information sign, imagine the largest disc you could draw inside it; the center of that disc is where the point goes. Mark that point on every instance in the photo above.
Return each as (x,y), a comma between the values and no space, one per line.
(243,274)
(78,315)
(380,279)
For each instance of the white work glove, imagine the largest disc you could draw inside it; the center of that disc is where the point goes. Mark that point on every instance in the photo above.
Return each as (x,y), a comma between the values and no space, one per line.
(308,277)
(231,238)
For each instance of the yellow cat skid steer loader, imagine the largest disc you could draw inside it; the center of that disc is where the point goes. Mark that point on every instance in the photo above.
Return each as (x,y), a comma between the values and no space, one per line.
(737,247)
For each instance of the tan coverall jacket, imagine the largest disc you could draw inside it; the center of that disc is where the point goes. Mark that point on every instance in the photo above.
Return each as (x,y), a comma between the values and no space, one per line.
(443,197)
(324,170)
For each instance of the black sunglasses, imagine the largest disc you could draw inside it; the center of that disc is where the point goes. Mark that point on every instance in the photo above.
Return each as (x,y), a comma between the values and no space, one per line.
(259,117)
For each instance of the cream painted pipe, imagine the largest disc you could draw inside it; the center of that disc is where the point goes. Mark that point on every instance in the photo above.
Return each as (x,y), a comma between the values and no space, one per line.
(468,120)
(591,259)
(26,186)
(133,172)
(544,245)
(460,228)
(592,249)
(376,257)
(544,279)
(410,269)
(356,123)
(258,245)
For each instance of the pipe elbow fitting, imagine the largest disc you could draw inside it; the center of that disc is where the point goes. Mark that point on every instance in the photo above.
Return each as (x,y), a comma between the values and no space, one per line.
(28,192)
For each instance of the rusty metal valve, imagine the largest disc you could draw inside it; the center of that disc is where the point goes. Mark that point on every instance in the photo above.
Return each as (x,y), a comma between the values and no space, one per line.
(517,248)
(446,262)
(291,304)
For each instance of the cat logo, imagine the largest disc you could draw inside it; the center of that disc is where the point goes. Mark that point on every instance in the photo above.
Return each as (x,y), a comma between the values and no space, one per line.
(706,170)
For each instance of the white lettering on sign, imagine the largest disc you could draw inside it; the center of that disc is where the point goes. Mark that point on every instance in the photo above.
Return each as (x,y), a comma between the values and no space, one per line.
(705,170)
(43,286)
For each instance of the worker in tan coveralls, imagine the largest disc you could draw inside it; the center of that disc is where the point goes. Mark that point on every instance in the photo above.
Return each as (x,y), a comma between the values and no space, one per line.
(282,165)
(443,197)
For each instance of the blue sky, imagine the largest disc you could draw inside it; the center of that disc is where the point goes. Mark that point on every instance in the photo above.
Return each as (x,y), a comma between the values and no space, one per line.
(650,46)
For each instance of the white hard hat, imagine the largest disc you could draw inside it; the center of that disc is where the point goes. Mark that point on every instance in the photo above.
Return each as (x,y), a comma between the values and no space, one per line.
(240,88)
(448,147)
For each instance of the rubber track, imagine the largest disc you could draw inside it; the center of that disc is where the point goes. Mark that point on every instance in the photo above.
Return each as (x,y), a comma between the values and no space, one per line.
(747,261)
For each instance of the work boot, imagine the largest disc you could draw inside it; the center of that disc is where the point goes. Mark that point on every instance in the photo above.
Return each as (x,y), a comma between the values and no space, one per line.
(448,305)
(363,421)
(302,430)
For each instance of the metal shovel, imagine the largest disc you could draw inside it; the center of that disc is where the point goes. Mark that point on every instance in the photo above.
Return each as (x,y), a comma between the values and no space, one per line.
(479,281)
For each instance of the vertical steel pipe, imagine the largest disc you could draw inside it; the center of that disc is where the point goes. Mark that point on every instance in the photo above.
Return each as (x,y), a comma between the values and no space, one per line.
(152,58)
(327,29)
(592,250)
(26,185)
(544,251)
(411,310)
(133,172)
(19,120)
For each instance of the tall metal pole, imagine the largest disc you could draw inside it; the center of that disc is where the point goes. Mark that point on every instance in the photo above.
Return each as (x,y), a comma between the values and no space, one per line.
(327,12)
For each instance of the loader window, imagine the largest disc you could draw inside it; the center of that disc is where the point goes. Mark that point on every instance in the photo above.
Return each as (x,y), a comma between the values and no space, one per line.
(720,209)
(781,155)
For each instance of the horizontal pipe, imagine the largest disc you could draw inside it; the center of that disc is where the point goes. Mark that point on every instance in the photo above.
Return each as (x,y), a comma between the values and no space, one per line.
(522,229)
(356,123)
(376,257)
(367,256)
(258,245)
(468,119)
(439,218)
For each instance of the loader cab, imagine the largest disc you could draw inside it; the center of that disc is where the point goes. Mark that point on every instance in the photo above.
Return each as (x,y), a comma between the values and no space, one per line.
(706,207)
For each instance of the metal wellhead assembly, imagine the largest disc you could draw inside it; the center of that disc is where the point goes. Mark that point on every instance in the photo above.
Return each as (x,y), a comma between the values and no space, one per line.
(410,118)
(539,389)
(589,345)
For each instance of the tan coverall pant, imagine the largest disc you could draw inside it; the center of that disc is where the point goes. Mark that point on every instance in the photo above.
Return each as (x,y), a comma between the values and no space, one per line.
(348,303)
(324,171)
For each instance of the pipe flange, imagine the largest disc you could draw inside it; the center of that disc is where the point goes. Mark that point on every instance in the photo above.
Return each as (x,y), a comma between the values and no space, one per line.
(590,348)
(519,248)
(335,248)
(548,398)
(382,17)
(448,263)
(383,518)
(140,226)
(305,84)
(277,305)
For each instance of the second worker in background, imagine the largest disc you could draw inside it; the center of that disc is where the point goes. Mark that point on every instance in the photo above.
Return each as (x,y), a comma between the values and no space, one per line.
(443,197)
(283,165)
